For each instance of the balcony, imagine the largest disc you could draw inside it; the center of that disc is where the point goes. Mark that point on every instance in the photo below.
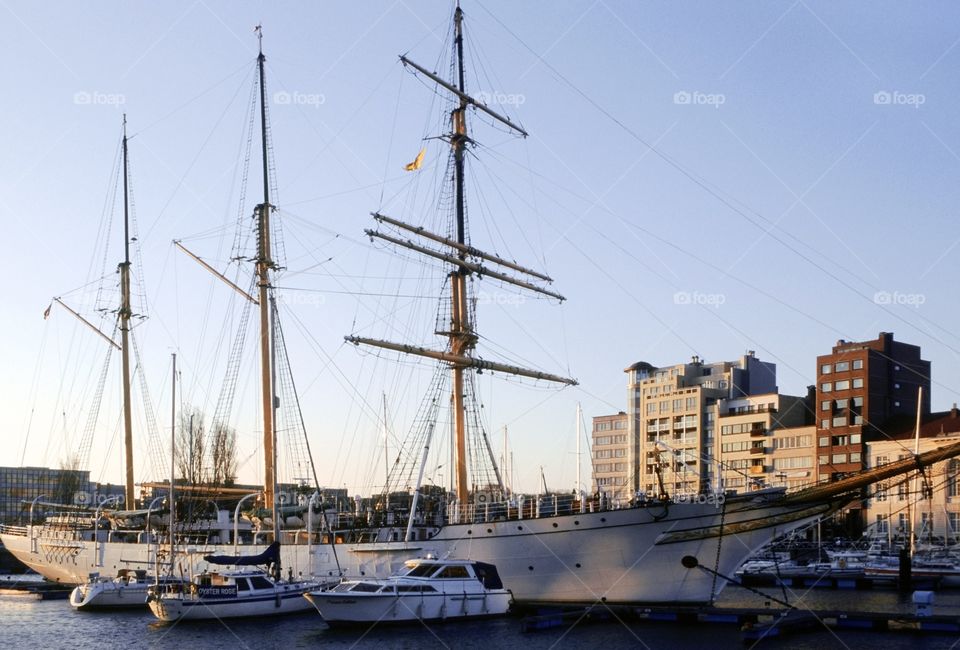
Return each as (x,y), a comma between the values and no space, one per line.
(757,450)
(758,432)
(757,469)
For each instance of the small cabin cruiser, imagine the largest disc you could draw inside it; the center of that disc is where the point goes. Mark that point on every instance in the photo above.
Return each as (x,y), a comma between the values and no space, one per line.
(426,589)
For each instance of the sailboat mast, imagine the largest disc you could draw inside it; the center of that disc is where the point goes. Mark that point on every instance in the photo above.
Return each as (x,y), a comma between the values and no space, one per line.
(173,451)
(462,339)
(263,265)
(125,313)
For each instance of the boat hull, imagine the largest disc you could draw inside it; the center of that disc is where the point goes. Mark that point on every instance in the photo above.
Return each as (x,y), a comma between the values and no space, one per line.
(109,595)
(354,609)
(184,607)
(631,555)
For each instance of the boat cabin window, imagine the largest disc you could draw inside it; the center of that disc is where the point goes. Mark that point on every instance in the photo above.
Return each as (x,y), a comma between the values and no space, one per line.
(457,571)
(242,584)
(422,570)
(365,586)
(260,582)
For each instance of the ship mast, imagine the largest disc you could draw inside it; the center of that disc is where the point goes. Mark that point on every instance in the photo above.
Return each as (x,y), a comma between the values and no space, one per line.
(125,314)
(466,262)
(264,263)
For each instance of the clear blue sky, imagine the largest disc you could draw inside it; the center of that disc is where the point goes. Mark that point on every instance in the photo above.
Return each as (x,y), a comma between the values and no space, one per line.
(803,189)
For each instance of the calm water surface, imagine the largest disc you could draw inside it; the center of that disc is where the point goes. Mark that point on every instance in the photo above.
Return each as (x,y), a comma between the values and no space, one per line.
(54,624)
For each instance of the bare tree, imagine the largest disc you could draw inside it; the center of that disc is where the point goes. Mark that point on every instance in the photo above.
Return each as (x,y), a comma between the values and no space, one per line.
(191,444)
(223,453)
(69,481)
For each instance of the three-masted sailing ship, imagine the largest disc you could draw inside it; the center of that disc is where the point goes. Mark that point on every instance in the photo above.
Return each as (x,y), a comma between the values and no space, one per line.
(654,550)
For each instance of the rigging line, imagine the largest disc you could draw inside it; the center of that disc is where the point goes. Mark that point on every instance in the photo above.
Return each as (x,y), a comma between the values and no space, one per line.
(393,133)
(700,259)
(729,203)
(496,183)
(196,157)
(209,89)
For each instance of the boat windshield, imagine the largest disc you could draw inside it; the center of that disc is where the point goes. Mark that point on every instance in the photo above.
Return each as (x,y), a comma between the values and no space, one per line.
(421,571)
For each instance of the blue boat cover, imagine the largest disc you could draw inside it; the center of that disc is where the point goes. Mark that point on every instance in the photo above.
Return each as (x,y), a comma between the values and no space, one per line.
(269,556)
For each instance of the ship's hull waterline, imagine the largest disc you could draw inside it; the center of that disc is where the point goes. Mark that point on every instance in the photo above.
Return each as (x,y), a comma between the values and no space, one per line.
(631,555)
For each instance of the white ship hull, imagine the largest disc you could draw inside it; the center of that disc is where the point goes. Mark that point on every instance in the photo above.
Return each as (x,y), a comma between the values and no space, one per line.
(616,556)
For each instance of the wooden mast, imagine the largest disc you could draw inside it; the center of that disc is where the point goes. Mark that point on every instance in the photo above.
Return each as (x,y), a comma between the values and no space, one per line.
(264,263)
(462,337)
(466,261)
(125,313)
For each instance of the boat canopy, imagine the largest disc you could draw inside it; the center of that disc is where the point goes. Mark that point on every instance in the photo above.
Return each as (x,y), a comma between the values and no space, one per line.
(269,556)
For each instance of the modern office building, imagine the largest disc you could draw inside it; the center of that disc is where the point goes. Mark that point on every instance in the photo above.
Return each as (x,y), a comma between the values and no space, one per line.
(20,486)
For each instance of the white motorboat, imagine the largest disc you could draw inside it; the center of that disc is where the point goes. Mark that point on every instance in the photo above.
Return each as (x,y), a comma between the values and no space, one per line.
(128,589)
(426,589)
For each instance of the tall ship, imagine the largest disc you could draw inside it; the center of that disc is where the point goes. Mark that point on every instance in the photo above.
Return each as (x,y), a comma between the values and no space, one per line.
(564,549)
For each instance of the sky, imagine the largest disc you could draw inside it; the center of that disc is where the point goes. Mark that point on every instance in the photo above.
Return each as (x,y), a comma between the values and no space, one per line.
(699,179)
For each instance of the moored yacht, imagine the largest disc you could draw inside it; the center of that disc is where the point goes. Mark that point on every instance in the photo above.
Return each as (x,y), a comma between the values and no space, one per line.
(427,589)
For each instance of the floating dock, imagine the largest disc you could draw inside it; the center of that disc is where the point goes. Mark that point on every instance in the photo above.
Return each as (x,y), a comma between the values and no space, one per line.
(754,623)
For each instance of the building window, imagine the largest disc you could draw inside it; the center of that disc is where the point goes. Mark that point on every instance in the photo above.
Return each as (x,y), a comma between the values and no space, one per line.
(881,493)
(858,364)
(651,408)
(855,457)
(824,424)
(842,366)
(826,386)
(839,459)
(882,525)
(855,439)
(826,369)
(842,385)
(825,405)
(953,469)
(824,460)
(858,382)
(953,518)
(840,421)
(825,441)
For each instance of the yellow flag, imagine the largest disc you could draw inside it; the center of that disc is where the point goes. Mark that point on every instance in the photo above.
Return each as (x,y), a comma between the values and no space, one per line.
(417,162)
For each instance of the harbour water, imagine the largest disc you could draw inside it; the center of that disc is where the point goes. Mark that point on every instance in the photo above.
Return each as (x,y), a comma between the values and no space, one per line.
(26,623)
